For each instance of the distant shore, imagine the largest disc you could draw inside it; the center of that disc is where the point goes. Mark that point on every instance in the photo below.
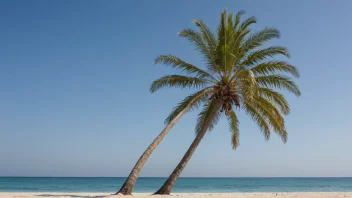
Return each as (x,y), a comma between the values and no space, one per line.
(190,195)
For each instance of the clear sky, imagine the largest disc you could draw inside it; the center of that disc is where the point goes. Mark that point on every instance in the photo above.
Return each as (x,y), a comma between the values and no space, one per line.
(75,101)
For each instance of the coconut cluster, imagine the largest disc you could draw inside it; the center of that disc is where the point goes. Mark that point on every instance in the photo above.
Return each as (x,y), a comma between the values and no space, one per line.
(226,96)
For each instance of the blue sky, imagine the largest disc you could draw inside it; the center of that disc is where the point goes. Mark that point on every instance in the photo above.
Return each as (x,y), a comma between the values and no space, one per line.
(75,101)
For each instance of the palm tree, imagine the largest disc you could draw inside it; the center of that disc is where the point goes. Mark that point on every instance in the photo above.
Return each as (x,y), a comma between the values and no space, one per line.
(240,74)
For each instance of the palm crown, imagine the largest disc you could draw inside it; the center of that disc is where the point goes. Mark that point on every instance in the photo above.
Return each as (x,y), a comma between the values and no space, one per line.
(238,73)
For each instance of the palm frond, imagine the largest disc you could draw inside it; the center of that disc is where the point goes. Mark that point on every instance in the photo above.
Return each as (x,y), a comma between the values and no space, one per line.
(177,63)
(229,46)
(207,34)
(177,81)
(220,49)
(235,132)
(230,21)
(260,55)
(205,114)
(238,18)
(192,102)
(270,111)
(235,46)
(246,23)
(279,82)
(258,118)
(259,38)
(271,67)
(276,98)
(196,39)
(273,116)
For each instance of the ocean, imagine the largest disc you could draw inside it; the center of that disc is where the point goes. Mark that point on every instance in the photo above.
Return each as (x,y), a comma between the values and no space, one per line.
(189,185)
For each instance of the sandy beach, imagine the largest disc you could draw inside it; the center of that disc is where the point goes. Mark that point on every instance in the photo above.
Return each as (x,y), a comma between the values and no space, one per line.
(190,195)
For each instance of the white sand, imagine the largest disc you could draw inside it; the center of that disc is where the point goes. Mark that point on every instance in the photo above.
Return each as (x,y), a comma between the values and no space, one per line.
(190,195)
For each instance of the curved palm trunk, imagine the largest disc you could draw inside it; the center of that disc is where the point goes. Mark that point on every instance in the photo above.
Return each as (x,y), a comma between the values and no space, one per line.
(127,187)
(169,183)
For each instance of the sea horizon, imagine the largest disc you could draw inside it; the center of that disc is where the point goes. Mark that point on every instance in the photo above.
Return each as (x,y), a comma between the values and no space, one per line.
(181,177)
(183,185)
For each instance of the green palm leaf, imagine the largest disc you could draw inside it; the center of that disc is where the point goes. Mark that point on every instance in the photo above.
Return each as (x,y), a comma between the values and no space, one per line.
(196,39)
(276,98)
(273,116)
(220,49)
(263,54)
(177,63)
(235,132)
(178,81)
(238,19)
(278,81)
(271,67)
(207,35)
(258,118)
(246,23)
(259,38)
(270,111)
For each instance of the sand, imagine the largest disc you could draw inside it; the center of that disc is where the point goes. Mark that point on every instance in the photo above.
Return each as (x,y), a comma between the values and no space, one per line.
(190,195)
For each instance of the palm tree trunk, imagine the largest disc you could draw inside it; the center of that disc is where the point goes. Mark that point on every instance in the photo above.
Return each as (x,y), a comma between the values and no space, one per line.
(169,183)
(127,187)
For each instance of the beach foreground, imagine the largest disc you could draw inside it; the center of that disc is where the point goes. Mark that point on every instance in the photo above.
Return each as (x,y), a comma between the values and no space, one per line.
(190,195)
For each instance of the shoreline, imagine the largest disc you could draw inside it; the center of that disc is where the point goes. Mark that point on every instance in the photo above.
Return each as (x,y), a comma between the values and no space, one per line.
(190,195)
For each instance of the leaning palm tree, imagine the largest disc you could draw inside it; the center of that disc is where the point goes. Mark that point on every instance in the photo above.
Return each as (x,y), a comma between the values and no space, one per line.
(239,74)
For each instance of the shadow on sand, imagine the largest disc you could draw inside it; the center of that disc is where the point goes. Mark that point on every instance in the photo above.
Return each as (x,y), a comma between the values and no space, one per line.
(73,196)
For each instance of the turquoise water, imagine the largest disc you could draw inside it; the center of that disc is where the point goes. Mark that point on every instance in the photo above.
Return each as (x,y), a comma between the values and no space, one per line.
(111,184)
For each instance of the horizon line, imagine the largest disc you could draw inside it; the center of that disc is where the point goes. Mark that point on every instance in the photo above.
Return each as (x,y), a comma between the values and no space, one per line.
(180,177)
